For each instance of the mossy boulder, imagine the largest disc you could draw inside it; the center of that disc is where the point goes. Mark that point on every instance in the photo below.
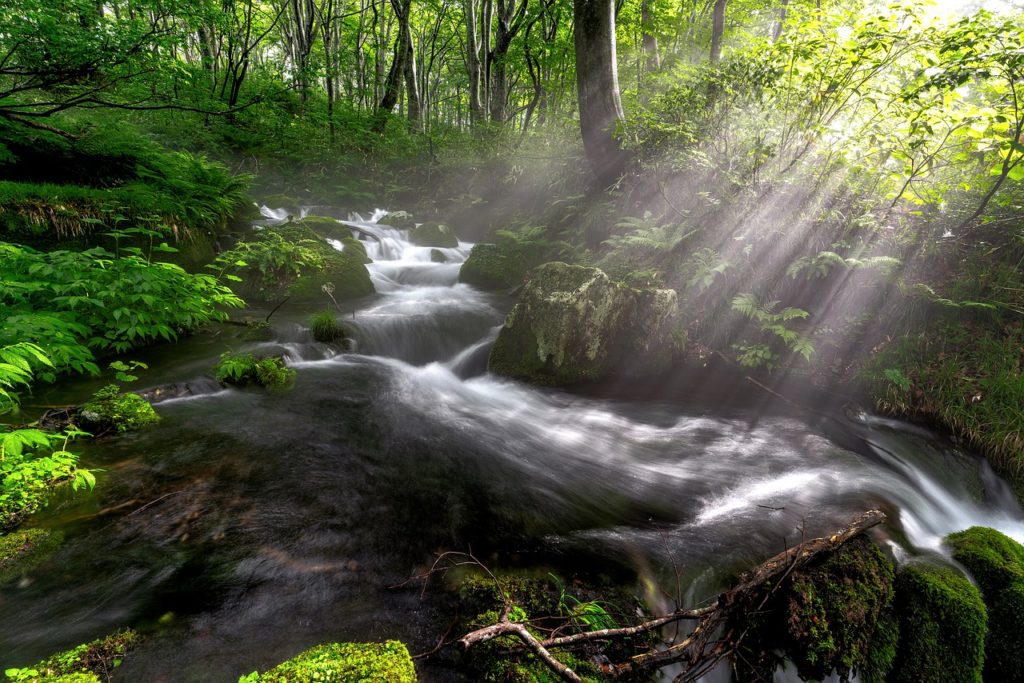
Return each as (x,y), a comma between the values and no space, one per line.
(281,201)
(996,562)
(437,256)
(493,267)
(325,328)
(85,663)
(573,323)
(387,662)
(402,220)
(294,260)
(245,369)
(110,409)
(834,615)
(356,248)
(23,550)
(942,624)
(433,234)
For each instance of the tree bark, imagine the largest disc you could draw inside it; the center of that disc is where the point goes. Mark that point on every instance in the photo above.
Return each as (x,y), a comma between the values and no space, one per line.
(393,82)
(647,40)
(717,30)
(597,87)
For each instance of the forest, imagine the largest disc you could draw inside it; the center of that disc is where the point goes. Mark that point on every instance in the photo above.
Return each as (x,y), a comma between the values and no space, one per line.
(511,340)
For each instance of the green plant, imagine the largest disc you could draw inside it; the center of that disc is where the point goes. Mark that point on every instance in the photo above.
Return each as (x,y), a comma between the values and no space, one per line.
(109,408)
(326,328)
(32,462)
(243,369)
(771,324)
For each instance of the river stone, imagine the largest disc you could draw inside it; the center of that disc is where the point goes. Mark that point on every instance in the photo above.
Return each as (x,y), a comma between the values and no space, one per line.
(573,323)
(437,256)
(433,234)
(401,220)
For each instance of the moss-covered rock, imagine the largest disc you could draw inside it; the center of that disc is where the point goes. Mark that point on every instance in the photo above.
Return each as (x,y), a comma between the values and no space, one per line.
(82,664)
(281,201)
(402,220)
(244,369)
(996,562)
(325,327)
(831,616)
(357,248)
(573,323)
(433,234)
(111,409)
(387,662)
(493,267)
(437,256)
(833,608)
(23,550)
(942,623)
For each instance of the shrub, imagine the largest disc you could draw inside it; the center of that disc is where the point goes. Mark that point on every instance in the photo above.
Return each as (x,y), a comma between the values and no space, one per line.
(244,369)
(326,328)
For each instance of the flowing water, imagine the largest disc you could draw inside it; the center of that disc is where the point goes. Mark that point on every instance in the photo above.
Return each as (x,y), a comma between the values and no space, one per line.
(250,525)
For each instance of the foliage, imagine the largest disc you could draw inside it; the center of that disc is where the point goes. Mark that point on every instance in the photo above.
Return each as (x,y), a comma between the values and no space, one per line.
(16,371)
(110,409)
(771,325)
(942,626)
(242,369)
(74,303)
(99,657)
(326,328)
(387,662)
(273,259)
(996,562)
(32,462)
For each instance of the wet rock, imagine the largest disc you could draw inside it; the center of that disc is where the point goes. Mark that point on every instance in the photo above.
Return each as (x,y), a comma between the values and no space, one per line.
(573,323)
(996,562)
(942,626)
(493,268)
(23,550)
(437,256)
(433,234)
(85,663)
(401,220)
(387,662)
(356,248)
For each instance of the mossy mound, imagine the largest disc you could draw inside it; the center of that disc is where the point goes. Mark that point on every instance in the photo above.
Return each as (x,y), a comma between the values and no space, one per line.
(494,267)
(23,550)
(942,623)
(318,224)
(111,409)
(573,324)
(834,615)
(402,220)
(356,248)
(437,256)
(244,369)
(325,327)
(433,234)
(82,664)
(281,201)
(996,562)
(294,260)
(387,662)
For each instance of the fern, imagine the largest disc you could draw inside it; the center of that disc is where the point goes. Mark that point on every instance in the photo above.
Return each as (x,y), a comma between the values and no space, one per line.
(705,266)
(770,322)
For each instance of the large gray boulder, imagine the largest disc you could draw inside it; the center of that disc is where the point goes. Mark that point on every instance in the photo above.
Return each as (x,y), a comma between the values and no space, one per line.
(574,324)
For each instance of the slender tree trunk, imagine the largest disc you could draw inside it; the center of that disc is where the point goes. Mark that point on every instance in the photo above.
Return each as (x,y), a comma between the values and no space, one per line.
(393,82)
(648,41)
(412,86)
(717,30)
(597,86)
(476,109)
(780,22)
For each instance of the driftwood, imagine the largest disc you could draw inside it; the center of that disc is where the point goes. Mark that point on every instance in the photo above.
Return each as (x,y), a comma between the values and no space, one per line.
(703,648)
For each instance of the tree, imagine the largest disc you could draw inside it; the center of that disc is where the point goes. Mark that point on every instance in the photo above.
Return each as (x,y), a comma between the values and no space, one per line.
(597,87)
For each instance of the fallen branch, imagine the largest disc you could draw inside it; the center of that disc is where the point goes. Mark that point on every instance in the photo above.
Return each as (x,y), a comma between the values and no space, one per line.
(700,651)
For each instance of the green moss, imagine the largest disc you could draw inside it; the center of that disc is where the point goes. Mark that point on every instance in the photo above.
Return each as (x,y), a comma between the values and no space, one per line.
(493,267)
(387,662)
(942,627)
(996,562)
(402,220)
(281,201)
(881,653)
(343,276)
(109,408)
(23,550)
(326,328)
(433,234)
(357,248)
(833,615)
(81,664)
(320,224)
(244,369)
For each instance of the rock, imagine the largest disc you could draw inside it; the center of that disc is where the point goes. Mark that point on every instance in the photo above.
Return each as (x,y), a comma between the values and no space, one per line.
(996,562)
(23,550)
(401,220)
(437,256)
(433,234)
(387,662)
(492,267)
(110,409)
(84,663)
(573,323)
(356,249)
(282,201)
(942,626)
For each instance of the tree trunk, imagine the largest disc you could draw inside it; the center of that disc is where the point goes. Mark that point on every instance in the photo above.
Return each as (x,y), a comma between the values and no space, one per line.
(647,40)
(393,82)
(476,109)
(717,30)
(597,87)
(780,22)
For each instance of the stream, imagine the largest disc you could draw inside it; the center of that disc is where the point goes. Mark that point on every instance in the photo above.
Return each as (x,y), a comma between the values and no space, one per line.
(250,525)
